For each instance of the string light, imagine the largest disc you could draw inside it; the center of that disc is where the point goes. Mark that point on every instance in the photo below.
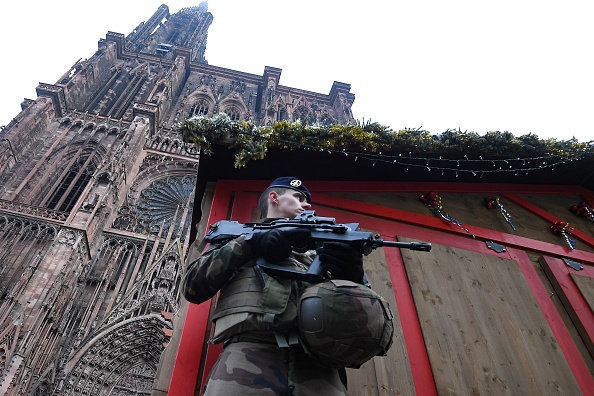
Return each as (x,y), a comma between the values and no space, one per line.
(478,165)
(443,166)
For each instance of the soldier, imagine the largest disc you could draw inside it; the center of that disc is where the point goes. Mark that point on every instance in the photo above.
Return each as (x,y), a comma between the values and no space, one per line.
(262,354)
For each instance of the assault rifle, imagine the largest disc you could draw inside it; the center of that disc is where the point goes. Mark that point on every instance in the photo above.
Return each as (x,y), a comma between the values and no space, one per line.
(322,229)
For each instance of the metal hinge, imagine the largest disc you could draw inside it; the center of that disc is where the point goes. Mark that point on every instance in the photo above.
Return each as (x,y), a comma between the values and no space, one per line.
(495,246)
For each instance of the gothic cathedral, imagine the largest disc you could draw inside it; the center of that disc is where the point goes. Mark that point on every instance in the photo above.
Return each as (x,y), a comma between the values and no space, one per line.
(96,199)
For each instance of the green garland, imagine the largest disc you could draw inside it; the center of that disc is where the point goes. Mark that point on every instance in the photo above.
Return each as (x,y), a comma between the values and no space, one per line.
(250,142)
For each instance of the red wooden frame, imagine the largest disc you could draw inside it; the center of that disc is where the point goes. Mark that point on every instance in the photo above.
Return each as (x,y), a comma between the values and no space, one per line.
(187,368)
(584,319)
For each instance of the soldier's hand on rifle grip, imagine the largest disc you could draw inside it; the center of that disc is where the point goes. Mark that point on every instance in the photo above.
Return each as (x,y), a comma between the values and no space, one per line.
(276,244)
(342,261)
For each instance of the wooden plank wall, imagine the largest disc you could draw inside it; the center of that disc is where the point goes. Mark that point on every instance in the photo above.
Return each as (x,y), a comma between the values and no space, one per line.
(484,330)
(526,334)
(389,375)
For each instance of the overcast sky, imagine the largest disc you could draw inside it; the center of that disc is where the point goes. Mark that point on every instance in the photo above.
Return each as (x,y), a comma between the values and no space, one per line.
(517,66)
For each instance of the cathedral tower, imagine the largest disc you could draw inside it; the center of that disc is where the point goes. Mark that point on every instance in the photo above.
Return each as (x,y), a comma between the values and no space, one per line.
(96,198)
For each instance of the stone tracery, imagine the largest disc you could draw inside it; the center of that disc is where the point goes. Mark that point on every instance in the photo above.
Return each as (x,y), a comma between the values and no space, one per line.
(96,204)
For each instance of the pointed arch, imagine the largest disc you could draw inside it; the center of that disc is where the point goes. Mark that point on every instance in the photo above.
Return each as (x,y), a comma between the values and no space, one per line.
(8,342)
(200,108)
(200,104)
(234,108)
(23,242)
(60,177)
(75,169)
(129,348)
(303,113)
(156,288)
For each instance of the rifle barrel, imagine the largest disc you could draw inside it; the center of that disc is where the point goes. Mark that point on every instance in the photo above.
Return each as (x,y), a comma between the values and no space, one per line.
(422,246)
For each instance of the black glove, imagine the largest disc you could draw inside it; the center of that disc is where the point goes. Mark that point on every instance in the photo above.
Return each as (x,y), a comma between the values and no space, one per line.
(277,244)
(342,261)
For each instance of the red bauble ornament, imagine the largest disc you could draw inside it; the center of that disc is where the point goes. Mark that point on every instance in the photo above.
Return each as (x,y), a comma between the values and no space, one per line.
(490,202)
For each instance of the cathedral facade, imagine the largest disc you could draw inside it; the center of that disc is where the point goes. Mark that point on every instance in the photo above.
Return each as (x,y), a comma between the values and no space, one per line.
(96,205)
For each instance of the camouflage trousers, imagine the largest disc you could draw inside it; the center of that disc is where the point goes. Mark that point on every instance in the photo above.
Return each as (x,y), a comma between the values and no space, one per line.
(249,368)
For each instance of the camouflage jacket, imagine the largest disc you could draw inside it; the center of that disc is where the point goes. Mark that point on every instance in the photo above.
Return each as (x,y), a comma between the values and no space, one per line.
(244,304)
(208,272)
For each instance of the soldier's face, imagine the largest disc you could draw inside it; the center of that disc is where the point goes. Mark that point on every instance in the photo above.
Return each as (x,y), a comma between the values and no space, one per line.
(290,204)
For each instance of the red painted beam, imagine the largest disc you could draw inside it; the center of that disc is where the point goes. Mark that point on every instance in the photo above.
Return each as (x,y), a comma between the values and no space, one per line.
(186,369)
(543,214)
(579,305)
(574,359)
(243,206)
(435,223)
(420,365)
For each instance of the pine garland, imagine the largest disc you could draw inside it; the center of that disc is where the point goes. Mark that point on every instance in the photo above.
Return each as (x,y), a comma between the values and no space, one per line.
(250,142)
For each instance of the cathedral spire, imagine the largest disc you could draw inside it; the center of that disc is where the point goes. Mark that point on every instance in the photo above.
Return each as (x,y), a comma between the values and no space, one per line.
(163,32)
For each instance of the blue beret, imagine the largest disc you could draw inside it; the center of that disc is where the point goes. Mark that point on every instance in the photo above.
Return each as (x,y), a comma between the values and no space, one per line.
(294,184)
